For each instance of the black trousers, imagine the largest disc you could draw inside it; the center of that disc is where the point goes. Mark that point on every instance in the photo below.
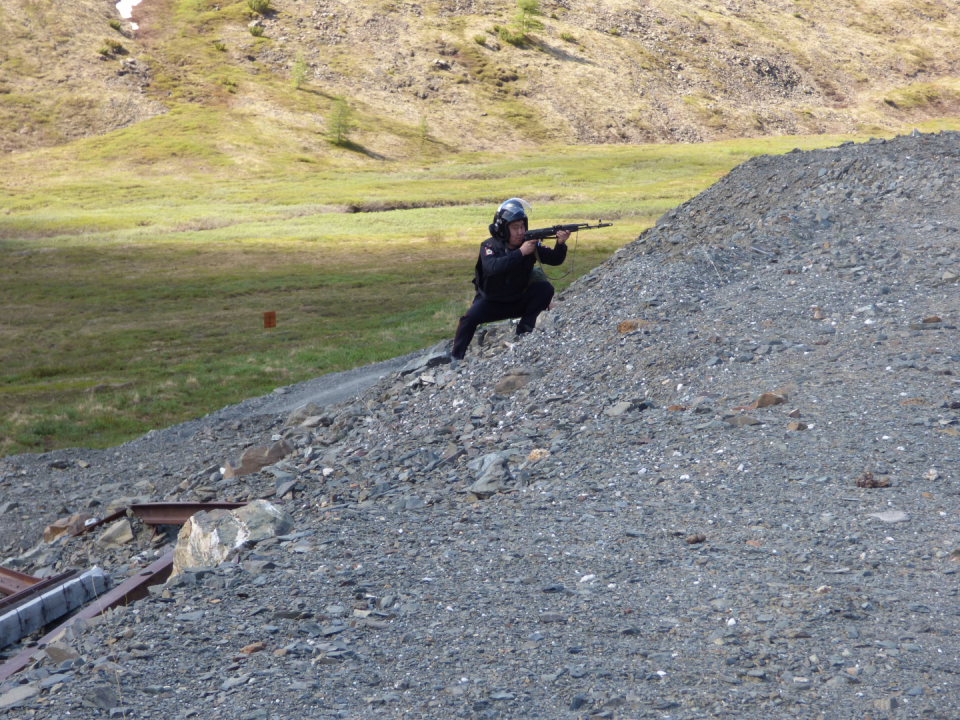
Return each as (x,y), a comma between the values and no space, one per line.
(536,298)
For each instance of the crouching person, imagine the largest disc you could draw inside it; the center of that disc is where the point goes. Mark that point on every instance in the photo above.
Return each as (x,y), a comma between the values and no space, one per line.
(504,277)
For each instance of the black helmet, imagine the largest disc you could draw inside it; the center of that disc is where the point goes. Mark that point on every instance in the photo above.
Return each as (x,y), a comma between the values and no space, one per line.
(509,211)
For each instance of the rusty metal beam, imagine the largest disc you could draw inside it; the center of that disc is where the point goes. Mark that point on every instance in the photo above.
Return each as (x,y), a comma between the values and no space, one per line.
(38,587)
(131,590)
(13,582)
(163,513)
(177,513)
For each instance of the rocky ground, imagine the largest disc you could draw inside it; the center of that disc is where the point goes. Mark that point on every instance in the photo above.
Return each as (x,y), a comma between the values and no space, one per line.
(720,480)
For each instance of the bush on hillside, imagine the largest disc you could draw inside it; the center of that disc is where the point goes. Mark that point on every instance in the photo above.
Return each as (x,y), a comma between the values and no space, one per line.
(513,38)
(259,6)
(298,74)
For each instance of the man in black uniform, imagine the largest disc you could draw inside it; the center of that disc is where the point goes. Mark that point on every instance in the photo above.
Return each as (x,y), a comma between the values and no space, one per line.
(505,288)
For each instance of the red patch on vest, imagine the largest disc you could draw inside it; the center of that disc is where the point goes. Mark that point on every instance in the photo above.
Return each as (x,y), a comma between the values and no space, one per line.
(489,251)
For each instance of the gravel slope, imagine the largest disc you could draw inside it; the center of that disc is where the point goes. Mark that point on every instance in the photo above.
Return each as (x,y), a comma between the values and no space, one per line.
(593,521)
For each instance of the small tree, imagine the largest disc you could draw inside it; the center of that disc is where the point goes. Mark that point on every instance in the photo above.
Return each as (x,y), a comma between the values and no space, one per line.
(526,17)
(299,72)
(341,121)
(424,131)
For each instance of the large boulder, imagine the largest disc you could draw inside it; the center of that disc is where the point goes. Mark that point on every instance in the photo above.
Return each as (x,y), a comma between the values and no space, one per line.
(210,538)
(264,520)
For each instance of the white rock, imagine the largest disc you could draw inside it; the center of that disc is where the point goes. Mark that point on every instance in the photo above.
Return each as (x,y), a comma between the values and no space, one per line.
(210,538)
(891,516)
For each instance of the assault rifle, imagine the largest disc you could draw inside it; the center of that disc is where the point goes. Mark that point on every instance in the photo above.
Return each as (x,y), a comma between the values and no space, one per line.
(551,232)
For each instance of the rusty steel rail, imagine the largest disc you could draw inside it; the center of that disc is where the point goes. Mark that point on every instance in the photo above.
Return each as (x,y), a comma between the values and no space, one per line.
(163,513)
(132,589)
(177,513)
(39,585)
(13,582)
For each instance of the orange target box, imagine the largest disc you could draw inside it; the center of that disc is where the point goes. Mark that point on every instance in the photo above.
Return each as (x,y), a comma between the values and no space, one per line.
(270,319)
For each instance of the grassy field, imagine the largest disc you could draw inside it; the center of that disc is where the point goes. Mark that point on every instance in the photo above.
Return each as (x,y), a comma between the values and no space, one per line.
(133,299)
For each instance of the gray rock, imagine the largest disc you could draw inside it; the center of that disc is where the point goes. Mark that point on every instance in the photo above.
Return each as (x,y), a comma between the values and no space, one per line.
(100,698)
(116,535)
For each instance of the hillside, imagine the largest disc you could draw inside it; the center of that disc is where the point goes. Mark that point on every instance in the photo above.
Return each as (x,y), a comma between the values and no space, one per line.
(588,72)
(720,480)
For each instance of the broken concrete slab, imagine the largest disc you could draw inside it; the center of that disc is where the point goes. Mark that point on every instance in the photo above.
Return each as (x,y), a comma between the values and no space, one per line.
(53,604)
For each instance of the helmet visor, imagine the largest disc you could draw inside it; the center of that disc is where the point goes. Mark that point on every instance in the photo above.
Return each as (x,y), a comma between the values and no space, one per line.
(514,209)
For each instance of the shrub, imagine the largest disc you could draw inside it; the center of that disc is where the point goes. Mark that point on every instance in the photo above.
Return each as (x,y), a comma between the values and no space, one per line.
(480,39)
(614,31)
(259,6)
(299,72)
(256,30)
(568,37)
(513,38)
(112,47)
(341,121)
(424,131)
(219,45)
(116,25)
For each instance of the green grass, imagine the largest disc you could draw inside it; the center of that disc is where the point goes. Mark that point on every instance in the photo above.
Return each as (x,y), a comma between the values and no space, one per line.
(145,258)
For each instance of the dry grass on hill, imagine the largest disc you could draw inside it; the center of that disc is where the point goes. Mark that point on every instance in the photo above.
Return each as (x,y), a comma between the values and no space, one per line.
(590,72)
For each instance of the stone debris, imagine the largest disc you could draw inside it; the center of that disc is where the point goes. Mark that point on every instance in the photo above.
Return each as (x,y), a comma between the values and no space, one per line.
(63,526)
(208,539)
(508,537)
(867,480)
(891,516)
(116,535)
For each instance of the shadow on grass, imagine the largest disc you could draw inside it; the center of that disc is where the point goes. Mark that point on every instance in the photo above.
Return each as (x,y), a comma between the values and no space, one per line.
(318,93)
(559,53)
(354,147)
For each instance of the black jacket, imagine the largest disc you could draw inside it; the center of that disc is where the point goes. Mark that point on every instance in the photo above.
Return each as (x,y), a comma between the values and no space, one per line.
(503,274)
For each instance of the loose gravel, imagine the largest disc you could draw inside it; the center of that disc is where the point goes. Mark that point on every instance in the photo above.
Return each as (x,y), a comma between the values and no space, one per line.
(720,480)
